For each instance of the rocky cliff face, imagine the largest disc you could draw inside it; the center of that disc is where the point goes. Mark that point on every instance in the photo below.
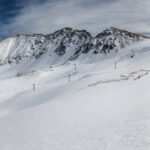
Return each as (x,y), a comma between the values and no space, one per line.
(64,44)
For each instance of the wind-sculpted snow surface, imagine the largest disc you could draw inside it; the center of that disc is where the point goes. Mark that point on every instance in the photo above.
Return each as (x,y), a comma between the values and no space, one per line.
(63,45)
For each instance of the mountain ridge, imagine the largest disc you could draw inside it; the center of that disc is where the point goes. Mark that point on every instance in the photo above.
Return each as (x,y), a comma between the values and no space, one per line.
(65,44)
(69,28)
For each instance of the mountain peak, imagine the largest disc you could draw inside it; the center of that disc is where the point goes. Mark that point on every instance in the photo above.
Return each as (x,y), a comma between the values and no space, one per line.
(119,33)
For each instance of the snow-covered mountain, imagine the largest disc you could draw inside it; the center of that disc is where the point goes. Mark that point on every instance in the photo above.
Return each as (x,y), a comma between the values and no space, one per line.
(65,44)
(95,96)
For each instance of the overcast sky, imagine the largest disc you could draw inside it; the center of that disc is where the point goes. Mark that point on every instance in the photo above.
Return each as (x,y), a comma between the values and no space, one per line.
(46,16)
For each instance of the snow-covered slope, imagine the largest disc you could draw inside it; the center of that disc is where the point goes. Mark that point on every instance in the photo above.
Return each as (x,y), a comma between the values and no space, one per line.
(96,102)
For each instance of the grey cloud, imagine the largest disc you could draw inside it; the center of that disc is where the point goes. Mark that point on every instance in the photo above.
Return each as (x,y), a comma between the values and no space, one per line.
(52,15)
